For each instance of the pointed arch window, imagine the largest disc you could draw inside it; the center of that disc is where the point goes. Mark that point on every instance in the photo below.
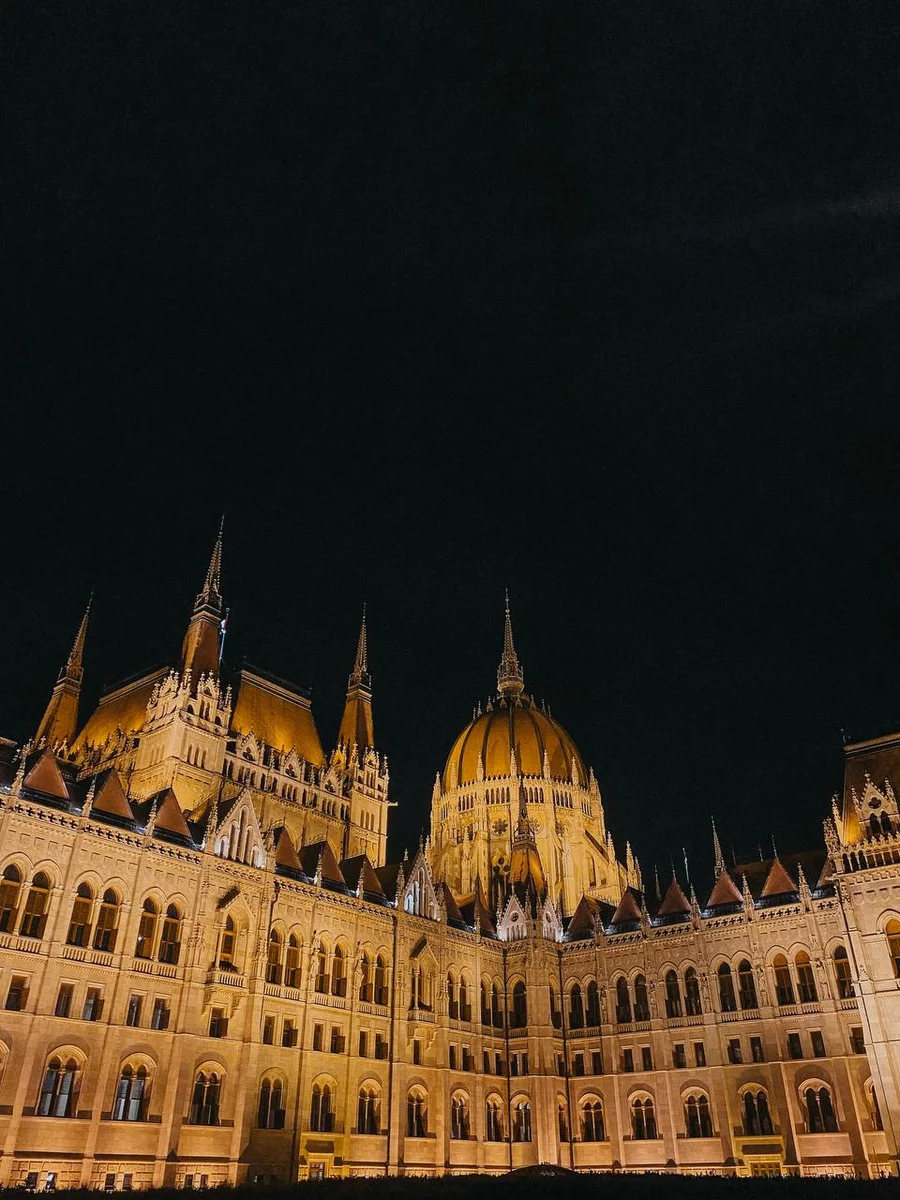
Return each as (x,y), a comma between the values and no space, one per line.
(228,944)
(34,915)
(519,1014)
(129,1103)
(842,974)
(323,979)
(10,889)
(270,1111)
(321,1113)
(339,973)
(641,1000)
(698,1123)
(79,933)
(170,938)
(673,995)
(465,1003)
(593,1005)
(806,980)
(452,1001)
(623,1001)
(892,933)
(273,958)
(726,989)
(746,985)
(205,1099)
(416,1114)
(146,930)
(592,1129)
(874,1108)
(367,1111)
(757,1117)
(496,1010)
(522,1121)
(365,979)
(784,985)
(459,1118)
(292,962)
(59,1088)
(107,922)
(555,1013)
(493,1120)
(381,992)
(643,1120)
(820,1116)
(693,1003)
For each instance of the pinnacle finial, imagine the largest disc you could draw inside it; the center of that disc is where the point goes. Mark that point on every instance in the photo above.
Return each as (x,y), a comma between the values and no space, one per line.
(211,592)
(510,680)
(717,850)
(75,661)
(360,672)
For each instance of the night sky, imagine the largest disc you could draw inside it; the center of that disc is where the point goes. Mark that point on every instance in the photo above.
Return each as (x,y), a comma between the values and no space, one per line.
(596,301)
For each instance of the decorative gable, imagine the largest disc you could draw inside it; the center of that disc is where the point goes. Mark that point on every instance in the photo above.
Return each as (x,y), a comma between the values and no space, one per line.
(419,896)
(238,836)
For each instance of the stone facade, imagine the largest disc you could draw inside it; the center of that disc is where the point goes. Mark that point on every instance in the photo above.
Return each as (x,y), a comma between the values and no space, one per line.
(210,973)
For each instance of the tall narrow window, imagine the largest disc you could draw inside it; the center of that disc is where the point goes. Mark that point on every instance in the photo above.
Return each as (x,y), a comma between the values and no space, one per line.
(320,1113)
(746,985)
(338,973)
(34,916)
(80,924)
(641,1002)
(522,1121)
(592,1121)
(643,1120)
(292,963)
(623,1001)
(493,1120)
(692,1002)
(673,995)
(146,930)
(892,933)
(322,979)
(459,1119)
(726,989)
(10,888)
(273,961)
(519,1006)
(576,1007)
(170,938)
(365,979)
(842,974)
(130,1092)
(381,994)
(228,944)
(806,980)
(416,1118)
(784,985)
(593,1004)
(367,1111)
(107,920)
(58,1089)
(205,1099)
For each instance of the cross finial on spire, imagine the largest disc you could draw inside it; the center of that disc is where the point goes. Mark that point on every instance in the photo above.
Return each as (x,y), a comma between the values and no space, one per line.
(510,680)
(360,672)
(211,592)
(717,850)
(75,661)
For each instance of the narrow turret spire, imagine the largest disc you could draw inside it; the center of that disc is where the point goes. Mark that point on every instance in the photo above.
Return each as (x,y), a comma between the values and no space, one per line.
(357,727)
(717,850)
(360,672)
(510,680)
(60,720)
(200,648)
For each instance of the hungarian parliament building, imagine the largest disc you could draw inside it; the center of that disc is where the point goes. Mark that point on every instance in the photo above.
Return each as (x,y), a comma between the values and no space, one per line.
(211,974)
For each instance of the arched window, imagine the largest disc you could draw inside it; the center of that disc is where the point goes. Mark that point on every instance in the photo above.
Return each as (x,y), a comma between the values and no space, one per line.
(842,975)
(367,1111)
(416,1114)
(892,932)
(273,958)
(146,930)
(270,1114)
(576,1007)
(34,915)
(292,963)
(555,1014)
(562,1119)
(323,979)
(593,1004)
(592,1121)
(131,1095)
(365,979)
(726,989)
(170,938)
(338,973)
(746,985)
(107,921)
(521,1121)
(519,1015)
(465,1005)
(673,995)
(623,1001)
(806,980)
(452,1001)
(381,992)
(496,1010)
(692,1002)
(80,925)
(784,985)
(10,887)
(228,944)
(459,1118)
(59,1088)
(820,1117)
(643,1120)
(641,1002)
(321,1114)
(205,1099)
(697,1121)
(874,1108)
(493,1120)
(757,1118)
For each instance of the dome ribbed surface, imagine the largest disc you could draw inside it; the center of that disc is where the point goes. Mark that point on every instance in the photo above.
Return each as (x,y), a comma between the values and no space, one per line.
(518,726)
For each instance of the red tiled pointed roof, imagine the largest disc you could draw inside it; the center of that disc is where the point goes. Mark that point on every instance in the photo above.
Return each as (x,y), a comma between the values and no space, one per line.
(110,798)
(45,776)
(778,882)
(169,815)
(582,918)
(725,892)
(627,910)
(285,854)
(674,901)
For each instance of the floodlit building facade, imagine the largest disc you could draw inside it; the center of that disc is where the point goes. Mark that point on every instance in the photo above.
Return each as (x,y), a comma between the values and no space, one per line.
(210,973)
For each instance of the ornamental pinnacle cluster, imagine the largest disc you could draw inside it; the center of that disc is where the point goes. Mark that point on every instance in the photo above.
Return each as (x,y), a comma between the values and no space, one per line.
(211,973)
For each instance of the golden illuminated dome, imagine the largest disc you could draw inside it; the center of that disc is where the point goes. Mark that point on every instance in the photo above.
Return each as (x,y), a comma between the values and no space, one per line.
(513,723)
(520,726)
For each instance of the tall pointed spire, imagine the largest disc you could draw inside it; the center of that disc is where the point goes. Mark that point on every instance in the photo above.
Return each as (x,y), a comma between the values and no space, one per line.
(717,850)
(357,726)
(60,720)
(200,648)
(510,680)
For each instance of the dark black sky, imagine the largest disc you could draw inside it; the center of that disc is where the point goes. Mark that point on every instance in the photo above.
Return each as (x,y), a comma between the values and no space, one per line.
(597,301)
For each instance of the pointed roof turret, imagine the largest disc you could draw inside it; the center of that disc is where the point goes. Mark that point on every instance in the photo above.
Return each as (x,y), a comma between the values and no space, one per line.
(167,815)
(285,853)
(674,902)
(724,892)
(60,720)
(45,776)
(510,679)
(357,726)
(717,850)
(778,882)
(627,909)
(200,648)
(110,798)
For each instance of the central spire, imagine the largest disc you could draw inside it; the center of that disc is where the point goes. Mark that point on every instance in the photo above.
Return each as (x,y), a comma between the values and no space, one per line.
(510,681)
(360,672)
(357,726)
(200,649)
